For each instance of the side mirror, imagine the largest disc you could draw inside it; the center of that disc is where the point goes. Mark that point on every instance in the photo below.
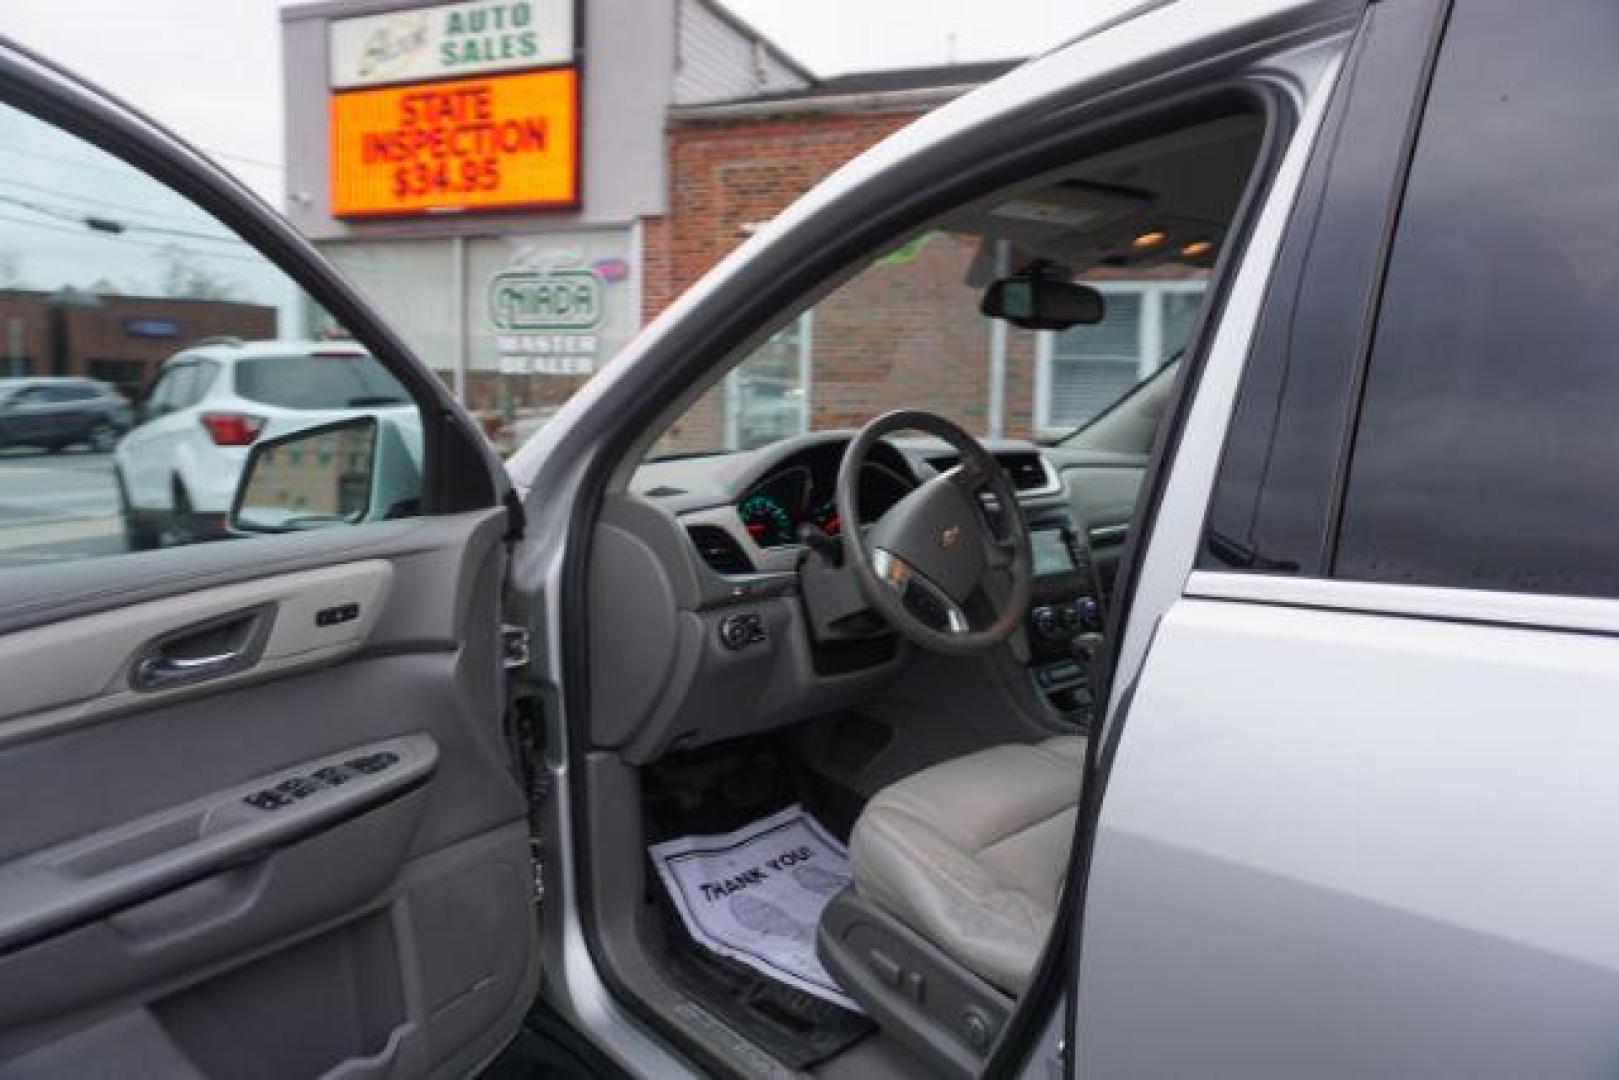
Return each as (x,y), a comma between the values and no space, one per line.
(323,475)
(1035,302)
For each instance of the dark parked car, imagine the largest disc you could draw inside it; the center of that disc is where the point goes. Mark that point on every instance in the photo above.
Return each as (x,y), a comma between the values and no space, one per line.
(53,413)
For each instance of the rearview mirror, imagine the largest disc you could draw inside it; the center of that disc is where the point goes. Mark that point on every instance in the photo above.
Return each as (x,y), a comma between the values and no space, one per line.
(1036,302)
(308,479)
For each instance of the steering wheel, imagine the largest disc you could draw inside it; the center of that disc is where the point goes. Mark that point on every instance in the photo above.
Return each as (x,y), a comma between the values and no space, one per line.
(925,566)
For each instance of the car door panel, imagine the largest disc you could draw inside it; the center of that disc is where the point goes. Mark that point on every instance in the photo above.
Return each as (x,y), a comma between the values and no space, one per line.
(282,622)
(140,889)
(1420,841)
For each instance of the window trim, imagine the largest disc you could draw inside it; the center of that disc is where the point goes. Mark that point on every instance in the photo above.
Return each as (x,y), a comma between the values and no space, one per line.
(1484,607)
(1320,304)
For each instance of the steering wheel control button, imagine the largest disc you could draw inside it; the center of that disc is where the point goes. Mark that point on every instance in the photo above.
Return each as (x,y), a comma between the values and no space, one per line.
(737,632)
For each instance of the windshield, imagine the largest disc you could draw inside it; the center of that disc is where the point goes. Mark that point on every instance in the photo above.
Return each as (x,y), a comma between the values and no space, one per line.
(318,382)
(906,332)
(1142,224)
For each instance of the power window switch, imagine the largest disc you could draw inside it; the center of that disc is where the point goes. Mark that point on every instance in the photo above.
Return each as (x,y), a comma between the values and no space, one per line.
(298,787)
(333,775)
(266,800)
(372,763)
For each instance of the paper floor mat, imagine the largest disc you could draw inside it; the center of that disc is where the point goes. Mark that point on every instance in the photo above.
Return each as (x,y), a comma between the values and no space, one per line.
(756,894)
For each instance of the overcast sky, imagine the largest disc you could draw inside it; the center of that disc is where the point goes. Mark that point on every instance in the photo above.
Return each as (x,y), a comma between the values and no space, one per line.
(211,70)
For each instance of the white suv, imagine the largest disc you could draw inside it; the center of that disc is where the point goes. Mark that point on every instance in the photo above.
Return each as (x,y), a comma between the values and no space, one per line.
(177,470)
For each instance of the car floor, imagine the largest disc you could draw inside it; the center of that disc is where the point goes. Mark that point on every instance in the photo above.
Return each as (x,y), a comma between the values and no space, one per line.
(717,790)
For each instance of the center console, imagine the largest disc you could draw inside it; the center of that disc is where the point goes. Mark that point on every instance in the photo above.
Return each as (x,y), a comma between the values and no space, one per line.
(1064,603)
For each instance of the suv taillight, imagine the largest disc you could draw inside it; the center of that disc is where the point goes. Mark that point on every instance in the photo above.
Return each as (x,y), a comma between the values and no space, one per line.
(232,428)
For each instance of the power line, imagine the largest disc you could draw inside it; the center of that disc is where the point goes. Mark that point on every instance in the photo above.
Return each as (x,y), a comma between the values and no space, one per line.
(113,226)
(96,201)
(89,234)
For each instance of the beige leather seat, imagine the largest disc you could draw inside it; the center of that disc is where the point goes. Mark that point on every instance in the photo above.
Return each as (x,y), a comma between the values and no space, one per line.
(971,853)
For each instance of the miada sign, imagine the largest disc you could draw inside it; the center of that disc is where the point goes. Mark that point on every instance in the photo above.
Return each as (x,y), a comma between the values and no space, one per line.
(549,300)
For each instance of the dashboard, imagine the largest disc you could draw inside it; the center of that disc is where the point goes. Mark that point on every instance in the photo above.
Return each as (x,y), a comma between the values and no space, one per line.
(697,585)
(802,490)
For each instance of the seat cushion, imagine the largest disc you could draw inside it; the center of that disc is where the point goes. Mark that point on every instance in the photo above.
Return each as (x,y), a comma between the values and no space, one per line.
(971,853)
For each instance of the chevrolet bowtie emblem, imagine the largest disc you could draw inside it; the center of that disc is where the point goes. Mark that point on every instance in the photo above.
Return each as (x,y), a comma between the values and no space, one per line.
(949,537)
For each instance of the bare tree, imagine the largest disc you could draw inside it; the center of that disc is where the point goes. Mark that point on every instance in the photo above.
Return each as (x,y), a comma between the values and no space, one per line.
(185,274)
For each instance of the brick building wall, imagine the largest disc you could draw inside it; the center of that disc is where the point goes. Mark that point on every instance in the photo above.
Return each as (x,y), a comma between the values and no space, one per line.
(122,339)
(905,332)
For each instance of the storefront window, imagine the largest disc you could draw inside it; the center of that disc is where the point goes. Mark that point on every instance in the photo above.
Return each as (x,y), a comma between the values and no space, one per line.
(767,395)
(514,324)
(1084,370)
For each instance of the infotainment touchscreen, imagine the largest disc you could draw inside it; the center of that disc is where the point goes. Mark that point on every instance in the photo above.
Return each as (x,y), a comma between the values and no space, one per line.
(1051,555)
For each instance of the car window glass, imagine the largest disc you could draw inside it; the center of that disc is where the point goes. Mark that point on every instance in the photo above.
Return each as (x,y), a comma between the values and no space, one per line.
(177,387)
(161,396)
(329,380)
(202,379)
(906,332)
(1484,452)
(107,274)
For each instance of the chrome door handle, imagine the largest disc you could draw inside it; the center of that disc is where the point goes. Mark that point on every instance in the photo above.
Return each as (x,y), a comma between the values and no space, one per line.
(157,672)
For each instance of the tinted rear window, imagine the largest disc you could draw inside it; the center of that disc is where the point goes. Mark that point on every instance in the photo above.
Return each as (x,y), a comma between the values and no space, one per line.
(319,382)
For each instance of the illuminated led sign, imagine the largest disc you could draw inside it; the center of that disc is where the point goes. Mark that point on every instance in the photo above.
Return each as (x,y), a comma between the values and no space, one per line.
(494,142)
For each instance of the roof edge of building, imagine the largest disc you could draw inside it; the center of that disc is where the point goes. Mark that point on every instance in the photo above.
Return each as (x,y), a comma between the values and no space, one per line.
(817,104)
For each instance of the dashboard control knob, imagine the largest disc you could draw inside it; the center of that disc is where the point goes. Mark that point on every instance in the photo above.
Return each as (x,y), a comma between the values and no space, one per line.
(1070,617)
(1090,616)
(735,634)
(1045,622)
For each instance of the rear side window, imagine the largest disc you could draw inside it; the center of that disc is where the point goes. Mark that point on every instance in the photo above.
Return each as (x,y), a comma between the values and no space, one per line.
(201,382)
(1486,450)
(173,389)
(318,382)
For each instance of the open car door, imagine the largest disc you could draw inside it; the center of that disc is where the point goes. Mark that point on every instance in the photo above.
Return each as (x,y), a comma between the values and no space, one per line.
(257,813)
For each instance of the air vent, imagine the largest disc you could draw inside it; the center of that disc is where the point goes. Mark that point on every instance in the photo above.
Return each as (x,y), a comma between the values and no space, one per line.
(719,549)
(1027,469)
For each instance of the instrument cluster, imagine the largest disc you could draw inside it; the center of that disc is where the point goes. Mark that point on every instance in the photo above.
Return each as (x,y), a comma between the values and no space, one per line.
(805,492)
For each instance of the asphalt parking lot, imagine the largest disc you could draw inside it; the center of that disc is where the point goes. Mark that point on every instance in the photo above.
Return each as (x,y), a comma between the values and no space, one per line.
(57,506)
